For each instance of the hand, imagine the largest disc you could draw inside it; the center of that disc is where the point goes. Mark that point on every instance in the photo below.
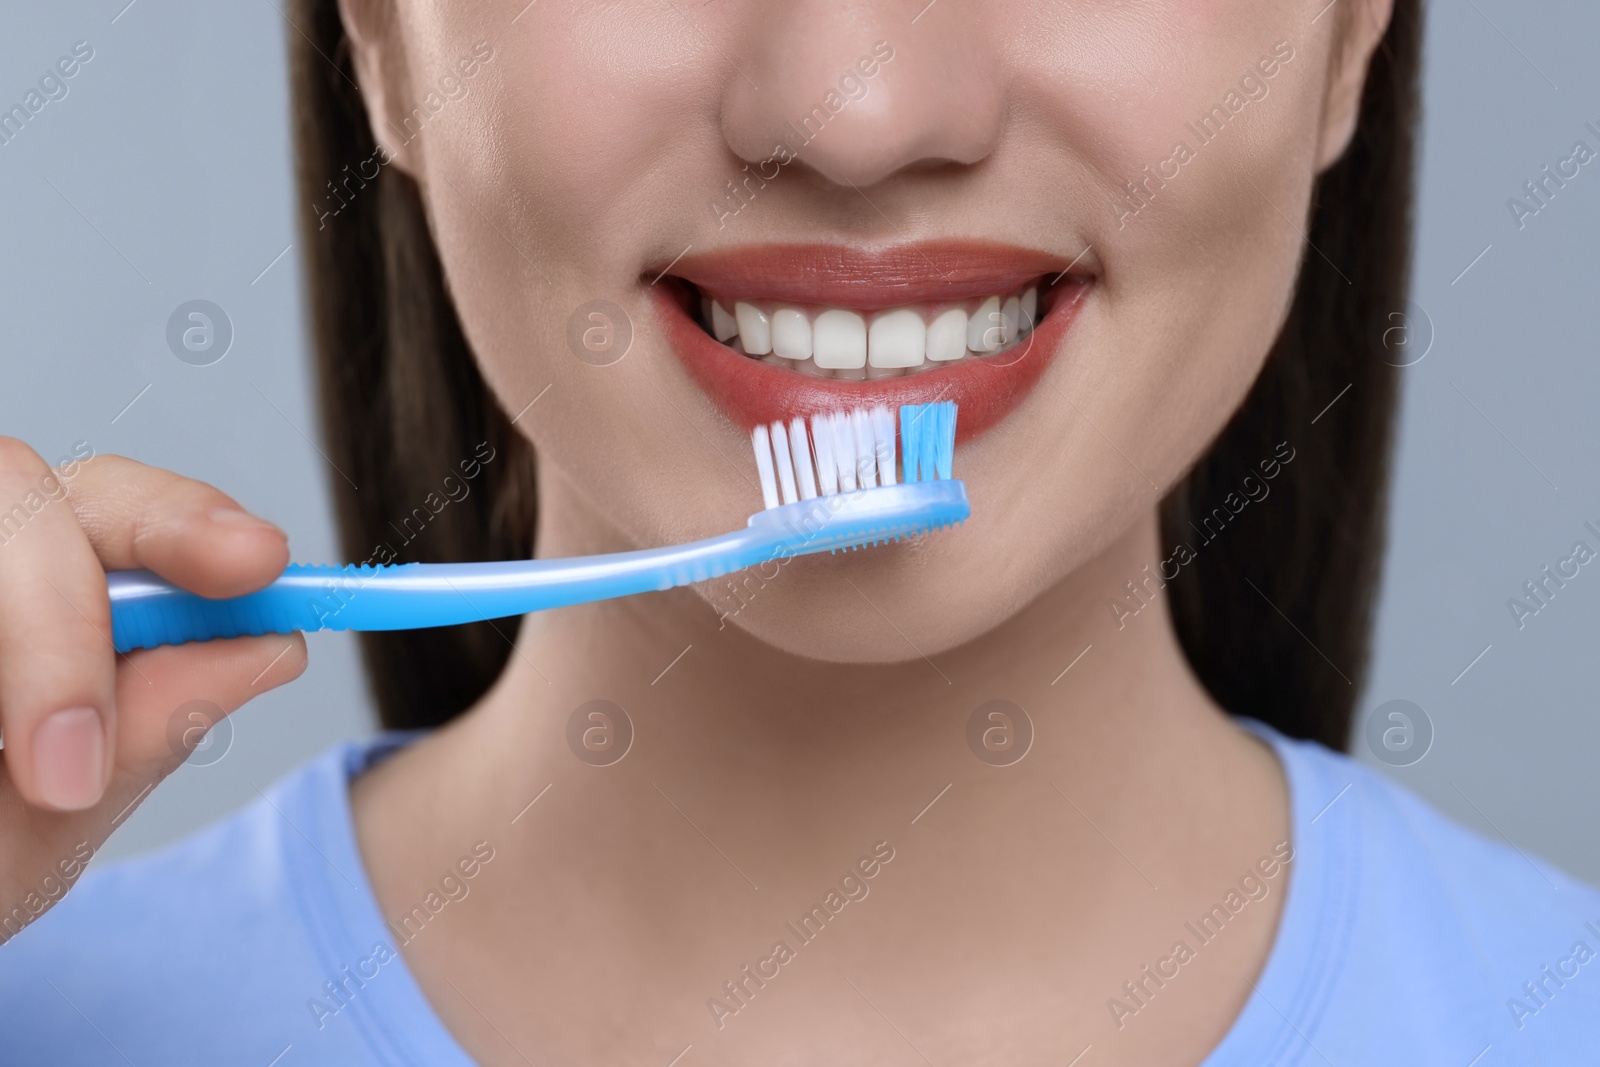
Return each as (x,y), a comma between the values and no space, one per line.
(86,730)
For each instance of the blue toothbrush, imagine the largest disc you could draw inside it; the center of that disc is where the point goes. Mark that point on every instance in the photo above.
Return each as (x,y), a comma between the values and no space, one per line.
(830,488)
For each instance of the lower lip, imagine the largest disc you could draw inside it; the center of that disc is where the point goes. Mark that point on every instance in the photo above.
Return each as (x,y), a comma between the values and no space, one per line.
(753,393)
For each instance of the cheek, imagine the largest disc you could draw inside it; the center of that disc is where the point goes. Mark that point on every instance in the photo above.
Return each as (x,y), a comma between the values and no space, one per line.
(572,121)
(1196,198)
(543,186)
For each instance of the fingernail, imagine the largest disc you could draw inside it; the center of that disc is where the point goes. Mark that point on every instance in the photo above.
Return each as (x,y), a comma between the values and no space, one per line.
(69,751)
(236,517)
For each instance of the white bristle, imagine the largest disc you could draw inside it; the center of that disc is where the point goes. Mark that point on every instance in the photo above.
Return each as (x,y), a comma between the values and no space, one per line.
(849,450)
(844,450)
(827,464)
(780,449)
(866,450)
(800,445)
(763,446)
(883,441)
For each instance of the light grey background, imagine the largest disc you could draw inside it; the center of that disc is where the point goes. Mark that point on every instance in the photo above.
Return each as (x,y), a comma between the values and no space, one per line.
(165,176)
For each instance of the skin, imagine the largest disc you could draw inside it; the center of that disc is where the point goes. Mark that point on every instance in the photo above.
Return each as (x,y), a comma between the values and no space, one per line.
(828,712)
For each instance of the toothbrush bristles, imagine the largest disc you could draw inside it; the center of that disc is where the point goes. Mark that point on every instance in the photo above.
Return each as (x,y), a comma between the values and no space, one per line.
(769,485)
(802,459)
(780,449)
(843,450)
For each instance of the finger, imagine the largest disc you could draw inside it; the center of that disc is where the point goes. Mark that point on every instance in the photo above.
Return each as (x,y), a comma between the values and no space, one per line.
(57,674)
(158,688)
(190,533)
(155,690)
(168,698)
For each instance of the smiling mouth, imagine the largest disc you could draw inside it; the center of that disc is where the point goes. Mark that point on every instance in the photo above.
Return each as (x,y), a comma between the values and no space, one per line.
(771,332)
(853,344)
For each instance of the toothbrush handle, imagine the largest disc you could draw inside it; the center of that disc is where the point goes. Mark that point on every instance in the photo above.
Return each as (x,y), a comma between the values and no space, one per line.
(147,611)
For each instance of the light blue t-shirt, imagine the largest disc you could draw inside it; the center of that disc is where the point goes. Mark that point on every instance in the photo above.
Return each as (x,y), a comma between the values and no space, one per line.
(1404,941)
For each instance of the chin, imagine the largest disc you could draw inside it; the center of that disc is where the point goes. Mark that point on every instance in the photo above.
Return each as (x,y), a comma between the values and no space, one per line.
(888,604)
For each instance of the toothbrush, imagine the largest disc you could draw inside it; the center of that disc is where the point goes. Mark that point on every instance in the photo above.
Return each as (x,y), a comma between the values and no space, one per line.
(828,486)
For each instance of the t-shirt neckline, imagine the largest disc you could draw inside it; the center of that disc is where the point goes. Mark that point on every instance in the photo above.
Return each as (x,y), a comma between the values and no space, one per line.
(341,912)
(1295,987)
(1275,1028)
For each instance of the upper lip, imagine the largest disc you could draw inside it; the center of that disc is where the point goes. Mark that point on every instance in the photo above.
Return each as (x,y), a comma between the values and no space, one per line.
(867,279)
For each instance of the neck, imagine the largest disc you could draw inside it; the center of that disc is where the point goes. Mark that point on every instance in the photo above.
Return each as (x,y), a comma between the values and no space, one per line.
(788,746)
(754,780)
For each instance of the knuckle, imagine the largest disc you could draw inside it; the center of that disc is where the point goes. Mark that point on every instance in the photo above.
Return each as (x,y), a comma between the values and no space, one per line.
(163,501)
(174,494)
(92,465)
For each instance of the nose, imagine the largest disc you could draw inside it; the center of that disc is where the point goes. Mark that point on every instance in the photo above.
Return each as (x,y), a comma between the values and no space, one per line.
(860,92)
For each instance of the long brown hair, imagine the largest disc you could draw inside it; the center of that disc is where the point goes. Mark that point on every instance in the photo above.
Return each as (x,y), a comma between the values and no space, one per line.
(1274,614)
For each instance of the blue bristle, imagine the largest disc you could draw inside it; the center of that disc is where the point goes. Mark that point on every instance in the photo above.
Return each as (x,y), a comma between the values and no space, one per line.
(927,430)
(908,456)
(945,442)
(927,440)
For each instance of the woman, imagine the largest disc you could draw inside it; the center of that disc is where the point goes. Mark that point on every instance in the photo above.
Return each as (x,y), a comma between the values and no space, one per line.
(1053,787)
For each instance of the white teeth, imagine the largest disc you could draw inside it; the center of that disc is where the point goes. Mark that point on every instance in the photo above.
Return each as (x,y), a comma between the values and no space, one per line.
(723,325)
(947,336)
(755,329)
(839,340)
(839,343)
(983,331)
(791,334)
(897,339)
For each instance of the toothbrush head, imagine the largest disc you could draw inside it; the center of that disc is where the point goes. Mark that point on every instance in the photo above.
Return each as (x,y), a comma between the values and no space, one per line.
(832,484)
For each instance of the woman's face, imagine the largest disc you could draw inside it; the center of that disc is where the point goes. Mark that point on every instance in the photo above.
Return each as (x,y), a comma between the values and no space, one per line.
(1144,170)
